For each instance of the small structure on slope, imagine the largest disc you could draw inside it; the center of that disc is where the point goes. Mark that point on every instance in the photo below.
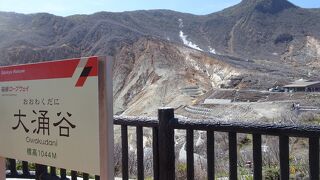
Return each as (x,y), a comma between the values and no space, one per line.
(303,86)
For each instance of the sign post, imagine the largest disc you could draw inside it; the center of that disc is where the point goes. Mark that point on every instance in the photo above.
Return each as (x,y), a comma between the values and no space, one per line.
(106,127)
(2,168)
(59,113)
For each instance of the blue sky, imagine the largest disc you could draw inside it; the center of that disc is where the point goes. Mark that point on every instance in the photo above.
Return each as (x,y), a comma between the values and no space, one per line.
(70,7)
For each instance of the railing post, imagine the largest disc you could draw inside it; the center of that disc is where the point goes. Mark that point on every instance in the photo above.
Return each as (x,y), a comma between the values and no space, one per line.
(41,171)
(139,131)
(284,157)
(190,155)
(257,157)
(155,146)
(314,157)
(63,174)
(2,168)
(74,175)
(124,141)
(233,162)
(25,169)
(53,171)
(13,168)
(166,144)
(210,155)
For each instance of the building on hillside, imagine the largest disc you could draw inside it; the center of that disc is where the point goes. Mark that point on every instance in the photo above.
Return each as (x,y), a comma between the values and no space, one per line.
(303,86)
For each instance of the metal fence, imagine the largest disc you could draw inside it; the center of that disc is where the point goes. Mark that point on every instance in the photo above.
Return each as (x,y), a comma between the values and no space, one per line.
(41,172)
(164,147)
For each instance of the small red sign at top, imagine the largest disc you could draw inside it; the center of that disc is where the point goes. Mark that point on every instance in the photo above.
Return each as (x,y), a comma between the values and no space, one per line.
(51,70)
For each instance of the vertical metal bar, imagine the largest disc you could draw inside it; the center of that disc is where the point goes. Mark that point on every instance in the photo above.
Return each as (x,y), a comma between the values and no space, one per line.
(155,150)
(314,158)
(25,169)
(63,174)
(284,157)
(139,131)
(85,176)
(210,154)
(53,171)
(190,157)
(166,144)
(41,170)
(13,168)
(74,175)
(233,156)
(257,157)
(124,142)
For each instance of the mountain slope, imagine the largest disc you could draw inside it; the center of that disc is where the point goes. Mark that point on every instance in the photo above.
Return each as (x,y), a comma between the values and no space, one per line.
(164,57)
(254,29)
(262,28)
(151,73)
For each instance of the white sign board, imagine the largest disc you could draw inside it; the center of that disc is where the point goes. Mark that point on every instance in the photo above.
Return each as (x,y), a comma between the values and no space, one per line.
(50,113)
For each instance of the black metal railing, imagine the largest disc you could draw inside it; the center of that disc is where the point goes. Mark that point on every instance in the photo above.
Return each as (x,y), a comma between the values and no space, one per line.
(164,146)
(40,172)
(139,123)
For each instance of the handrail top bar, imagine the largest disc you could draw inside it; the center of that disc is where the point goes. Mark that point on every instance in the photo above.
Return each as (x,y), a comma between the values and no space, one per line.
(247,127)
(165,108)
(224,126)
(136,121)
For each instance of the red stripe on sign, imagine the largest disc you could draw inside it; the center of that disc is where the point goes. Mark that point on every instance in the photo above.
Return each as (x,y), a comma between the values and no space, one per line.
(90,69)
(44,70)
(81,81)
(93,62)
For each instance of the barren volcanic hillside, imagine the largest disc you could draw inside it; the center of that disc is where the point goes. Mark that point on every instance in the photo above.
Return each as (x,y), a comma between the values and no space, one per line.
(152,73)
(262,29)
(164,57)
(253,29)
